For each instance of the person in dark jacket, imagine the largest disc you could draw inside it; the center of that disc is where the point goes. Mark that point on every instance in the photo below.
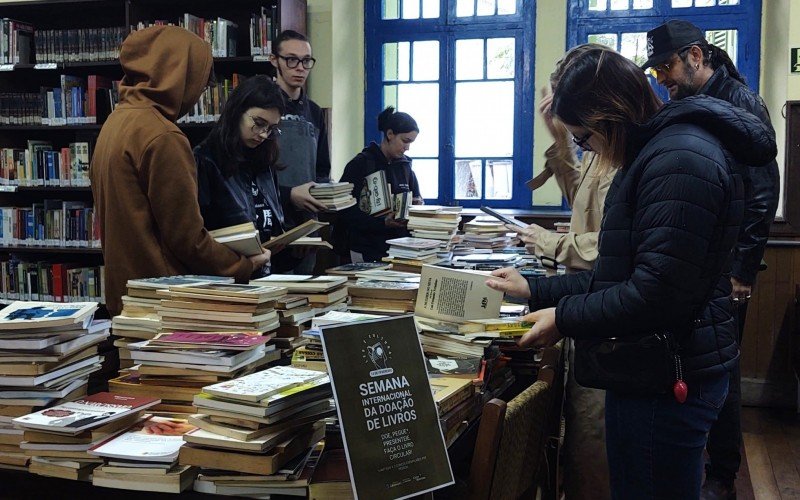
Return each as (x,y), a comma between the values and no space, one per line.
(672,216)
(686,64)
(367,235)
(236,173)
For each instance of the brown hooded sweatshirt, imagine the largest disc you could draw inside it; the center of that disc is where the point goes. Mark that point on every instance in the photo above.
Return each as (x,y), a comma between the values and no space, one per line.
(143,172)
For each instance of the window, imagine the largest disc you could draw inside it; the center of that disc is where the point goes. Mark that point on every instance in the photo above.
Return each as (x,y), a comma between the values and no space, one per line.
(734,25)
(462,69)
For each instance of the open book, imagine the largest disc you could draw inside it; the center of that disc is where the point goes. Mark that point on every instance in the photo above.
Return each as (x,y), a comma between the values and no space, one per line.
(294,234)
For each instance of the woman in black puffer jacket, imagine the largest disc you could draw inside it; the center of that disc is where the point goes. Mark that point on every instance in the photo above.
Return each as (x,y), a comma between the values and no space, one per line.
(671,219)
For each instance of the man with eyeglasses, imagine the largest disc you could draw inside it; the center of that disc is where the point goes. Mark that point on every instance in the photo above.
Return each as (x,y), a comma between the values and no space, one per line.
(303,143)
(682,60)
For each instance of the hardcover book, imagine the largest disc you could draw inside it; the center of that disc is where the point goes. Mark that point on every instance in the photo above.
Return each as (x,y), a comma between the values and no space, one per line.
(375,198)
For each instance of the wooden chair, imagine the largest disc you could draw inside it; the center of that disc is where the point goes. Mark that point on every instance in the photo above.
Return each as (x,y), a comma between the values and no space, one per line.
(510,448)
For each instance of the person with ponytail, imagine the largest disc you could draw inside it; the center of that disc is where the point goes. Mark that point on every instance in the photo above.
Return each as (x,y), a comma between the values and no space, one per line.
(236,166)
(367,235)
(685,63)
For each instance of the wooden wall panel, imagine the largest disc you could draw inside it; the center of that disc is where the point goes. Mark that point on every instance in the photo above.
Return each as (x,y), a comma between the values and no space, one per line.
(770,331)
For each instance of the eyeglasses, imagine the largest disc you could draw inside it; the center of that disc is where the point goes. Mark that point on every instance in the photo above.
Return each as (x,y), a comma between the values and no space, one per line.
(269,130)
(664,68)
(581,142)
(292,62)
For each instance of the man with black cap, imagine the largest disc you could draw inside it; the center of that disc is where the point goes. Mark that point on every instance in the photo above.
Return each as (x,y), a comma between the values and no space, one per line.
(685,63)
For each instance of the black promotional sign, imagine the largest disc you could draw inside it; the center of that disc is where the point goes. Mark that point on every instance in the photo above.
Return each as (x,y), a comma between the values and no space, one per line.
(389,420)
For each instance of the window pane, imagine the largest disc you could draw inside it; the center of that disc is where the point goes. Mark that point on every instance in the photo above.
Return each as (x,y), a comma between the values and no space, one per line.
(426,61)
(729,2)
(430,9)
(390,96)
(486,7)
(421,101)
(634,47)
(681,3)
(598,4)
(427,172)
(609,39)
(484,119)
(410,9)
(468,179)
(465,8)
(396,61)
(469,59)
(391,9)
(726,40)
(500,58)
(704,3)
(619,4)
(506,7)
(642,4)
(499,179)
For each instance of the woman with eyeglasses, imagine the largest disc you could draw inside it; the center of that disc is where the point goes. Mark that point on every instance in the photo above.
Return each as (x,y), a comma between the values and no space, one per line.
(236,165)
(672,216)
(365,234)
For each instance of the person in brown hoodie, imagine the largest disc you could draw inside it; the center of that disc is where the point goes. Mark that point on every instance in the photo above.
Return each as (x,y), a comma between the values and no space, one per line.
(143,173)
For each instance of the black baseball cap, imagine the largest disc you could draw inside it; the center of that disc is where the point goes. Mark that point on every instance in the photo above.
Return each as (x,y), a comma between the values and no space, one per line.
(670,38)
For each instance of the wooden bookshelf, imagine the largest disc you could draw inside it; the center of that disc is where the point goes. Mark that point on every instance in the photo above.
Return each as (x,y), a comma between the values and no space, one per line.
(30,76)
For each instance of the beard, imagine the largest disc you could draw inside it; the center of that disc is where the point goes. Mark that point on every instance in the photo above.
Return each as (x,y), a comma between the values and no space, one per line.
(685,87)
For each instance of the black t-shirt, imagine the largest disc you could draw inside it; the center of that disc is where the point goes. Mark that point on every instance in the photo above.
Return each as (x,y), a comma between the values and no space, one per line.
(266,219)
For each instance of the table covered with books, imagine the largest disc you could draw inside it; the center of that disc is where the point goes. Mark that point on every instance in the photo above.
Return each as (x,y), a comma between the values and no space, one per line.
(224,388)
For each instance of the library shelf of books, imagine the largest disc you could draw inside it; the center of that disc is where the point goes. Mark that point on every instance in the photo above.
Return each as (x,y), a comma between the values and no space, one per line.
(59,75)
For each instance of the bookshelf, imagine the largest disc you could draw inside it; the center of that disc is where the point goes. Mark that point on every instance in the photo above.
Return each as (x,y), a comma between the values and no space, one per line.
(50,109)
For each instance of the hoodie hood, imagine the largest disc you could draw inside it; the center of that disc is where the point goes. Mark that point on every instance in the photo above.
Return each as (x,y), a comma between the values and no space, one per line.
(745,136)
(165,67)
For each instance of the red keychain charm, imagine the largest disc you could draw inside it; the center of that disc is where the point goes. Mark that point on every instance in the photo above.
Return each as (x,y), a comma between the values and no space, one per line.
(679,388)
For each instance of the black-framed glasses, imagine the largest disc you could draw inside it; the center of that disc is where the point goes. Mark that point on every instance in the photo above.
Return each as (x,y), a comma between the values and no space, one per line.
(581,142)
(292,62)
(259,128)
(665,67)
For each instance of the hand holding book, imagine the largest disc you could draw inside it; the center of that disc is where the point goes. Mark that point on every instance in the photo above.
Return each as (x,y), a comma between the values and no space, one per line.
(302,199)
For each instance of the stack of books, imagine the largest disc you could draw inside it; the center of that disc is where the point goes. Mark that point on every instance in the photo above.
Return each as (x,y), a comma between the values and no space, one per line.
(256,424)
(311,355)
(384,291)
(294,313)
(457,405)
(243,239)
(409,254)
(292,479)
(139,319)
(486,231)
(47,351)
(335,196)
(324,293)
(58,438)
(350,270)
(145,457)
(434,222)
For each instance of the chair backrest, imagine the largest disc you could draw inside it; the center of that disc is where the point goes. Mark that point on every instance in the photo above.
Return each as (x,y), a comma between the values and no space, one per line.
(510,445)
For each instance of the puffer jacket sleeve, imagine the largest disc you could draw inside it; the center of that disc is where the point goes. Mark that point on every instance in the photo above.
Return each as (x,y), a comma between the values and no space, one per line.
(546,292)
(678,198)
(169,178)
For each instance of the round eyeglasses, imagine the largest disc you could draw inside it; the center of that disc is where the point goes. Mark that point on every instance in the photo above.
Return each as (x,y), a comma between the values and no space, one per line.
(259,128)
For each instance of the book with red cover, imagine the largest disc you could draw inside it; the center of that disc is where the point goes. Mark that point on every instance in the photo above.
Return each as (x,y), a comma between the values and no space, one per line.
(85,413)
(238,341)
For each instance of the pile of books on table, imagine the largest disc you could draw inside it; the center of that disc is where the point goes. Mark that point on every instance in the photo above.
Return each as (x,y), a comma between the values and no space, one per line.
(384,292)
(485,231)
(58,439)
(47,351)
(145,457)
(350,270)
(435,223)
(251,427)
(139,319)
(211,332)
(410,254)
(335,196)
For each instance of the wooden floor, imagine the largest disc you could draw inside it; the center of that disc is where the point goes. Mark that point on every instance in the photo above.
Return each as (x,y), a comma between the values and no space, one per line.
(771,462)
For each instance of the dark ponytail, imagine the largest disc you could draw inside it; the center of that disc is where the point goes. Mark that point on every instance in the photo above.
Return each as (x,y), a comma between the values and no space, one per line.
(715,57)
(398,122)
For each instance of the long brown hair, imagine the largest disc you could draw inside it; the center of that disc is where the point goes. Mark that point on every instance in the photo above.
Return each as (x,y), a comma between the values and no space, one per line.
(606,93)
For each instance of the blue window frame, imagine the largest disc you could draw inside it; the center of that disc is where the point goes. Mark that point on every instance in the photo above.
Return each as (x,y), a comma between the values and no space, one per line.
(734,25)
(463,70)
